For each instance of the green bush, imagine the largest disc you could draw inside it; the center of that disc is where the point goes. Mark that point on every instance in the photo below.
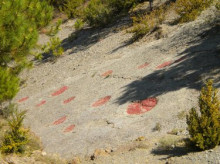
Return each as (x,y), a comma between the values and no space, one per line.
(55,29)
(103,12)
(148,23)
(55,47)
(9,85)
(16,138)
(79,24)
(204,127)
(190,9)
(73,8)
(97,13)
(19,24)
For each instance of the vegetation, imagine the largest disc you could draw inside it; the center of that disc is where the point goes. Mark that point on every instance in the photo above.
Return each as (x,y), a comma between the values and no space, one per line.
(9,85)
(157,127)
(19,28)
(55,29)
(188,10)
(181,115)
(73,8)
(169,142)
(16,138)
(204,126)
(53,47)
(79,24)
(148,23)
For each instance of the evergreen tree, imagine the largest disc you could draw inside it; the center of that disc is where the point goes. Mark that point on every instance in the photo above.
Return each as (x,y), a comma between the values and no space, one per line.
(204,127)
(19,25)
(9,85)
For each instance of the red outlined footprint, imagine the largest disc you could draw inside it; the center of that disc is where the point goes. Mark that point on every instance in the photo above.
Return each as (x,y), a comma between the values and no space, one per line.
(69,128)
(68,100)
(60,91)
(143,66)
(60,120)
(165,64)
(23,99)
(101,101)
(108,73)
(41,103)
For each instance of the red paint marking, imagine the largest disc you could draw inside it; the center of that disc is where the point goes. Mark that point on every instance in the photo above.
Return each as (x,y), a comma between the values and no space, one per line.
(143,65)
(60,91)
(101,101)
(23,99)
(150,102)
(41,103)
(142,107)
(68,100)
(60,121)
(165,64)
(180,59)
(134,108)
(69,128)
(107,73)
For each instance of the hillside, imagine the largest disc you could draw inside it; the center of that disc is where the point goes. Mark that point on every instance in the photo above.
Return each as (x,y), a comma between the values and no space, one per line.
(101,101)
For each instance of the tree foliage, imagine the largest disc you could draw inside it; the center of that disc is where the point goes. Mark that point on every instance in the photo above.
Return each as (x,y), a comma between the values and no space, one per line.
(204,127)
(9,85)
(19,25)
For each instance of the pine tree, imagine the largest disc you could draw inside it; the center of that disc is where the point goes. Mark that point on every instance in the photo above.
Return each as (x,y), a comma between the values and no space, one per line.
(9,85)
(204,127)
(19,25)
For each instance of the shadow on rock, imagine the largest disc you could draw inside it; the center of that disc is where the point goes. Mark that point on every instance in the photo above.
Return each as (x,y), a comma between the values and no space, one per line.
(194,66)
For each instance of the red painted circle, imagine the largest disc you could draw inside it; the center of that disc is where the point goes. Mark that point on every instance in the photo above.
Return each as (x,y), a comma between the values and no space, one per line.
(59,121)
(60,91)
(142,107)
(68,100)
(143,66)
(165,64)
(69,128)
(101,101)
(41,103)
(107,73)
(134,108)
(23,99)
(150,102)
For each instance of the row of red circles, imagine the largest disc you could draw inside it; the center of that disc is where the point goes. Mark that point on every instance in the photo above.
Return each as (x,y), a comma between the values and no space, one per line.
(138,107)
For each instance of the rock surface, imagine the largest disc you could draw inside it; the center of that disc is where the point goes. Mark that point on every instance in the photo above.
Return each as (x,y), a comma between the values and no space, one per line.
(61,95)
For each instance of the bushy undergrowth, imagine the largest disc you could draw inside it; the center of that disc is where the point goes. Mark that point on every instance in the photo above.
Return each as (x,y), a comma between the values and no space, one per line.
(148,23)
(204,126)
(188,10)
(53,47)
(16,138)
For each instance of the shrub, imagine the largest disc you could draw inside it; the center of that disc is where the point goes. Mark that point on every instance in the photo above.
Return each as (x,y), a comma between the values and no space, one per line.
(79,24)
(97,13)
(16,138)
(73,8)
(157,127)
(55,46)
(55,29)
(19,26)
(147,23)
(169,142)
(190,9)
(204,127)
(9,85)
